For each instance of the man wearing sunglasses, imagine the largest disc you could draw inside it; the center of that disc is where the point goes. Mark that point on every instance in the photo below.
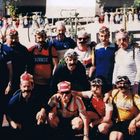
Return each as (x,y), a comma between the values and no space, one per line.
(127,116)
(64,108)
(84,52)
(127,60)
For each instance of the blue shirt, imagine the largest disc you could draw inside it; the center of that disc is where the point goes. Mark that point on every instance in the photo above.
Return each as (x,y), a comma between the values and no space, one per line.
(104,61)
(67,43)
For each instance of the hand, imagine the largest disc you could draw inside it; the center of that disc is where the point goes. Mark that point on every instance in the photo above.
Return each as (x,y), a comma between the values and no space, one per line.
(135,88)
(15,125)
(41,116)
(53,120)
(7,90)
(85,138)
(132,127)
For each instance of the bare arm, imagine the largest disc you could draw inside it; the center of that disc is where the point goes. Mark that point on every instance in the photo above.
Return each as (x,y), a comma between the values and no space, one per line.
(10,70)
(84,94)
(55,63)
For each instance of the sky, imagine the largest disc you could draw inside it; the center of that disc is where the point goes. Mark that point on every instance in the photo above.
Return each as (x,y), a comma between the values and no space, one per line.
(71,3)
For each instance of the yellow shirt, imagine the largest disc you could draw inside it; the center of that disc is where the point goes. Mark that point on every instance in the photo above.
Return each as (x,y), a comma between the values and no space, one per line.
(127,105)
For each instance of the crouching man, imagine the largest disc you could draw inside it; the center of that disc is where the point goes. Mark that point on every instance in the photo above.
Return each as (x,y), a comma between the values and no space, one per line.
(67,114)
(22,110)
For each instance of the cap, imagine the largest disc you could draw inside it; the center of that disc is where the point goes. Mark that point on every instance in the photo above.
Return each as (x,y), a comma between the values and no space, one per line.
(64,86)
(123,79)
(26,77)
(70,53)
(96,81)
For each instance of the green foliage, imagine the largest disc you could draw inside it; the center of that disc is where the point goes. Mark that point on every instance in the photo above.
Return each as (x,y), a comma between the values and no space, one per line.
(12,10)
(136,3)
(11,5)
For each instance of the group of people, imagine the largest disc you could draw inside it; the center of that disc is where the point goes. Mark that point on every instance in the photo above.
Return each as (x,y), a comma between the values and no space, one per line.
(64,89)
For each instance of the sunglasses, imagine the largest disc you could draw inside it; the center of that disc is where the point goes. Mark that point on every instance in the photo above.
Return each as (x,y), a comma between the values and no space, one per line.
(84,38)
(67,92)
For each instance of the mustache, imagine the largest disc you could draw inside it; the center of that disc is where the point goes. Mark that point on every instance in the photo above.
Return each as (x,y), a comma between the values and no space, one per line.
(123,87)
(82,42)
(61,34)
(72,64)
(26,91)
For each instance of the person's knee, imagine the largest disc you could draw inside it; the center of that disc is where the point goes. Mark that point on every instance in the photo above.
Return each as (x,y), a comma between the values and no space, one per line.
(54,122)
(114,135)
(104,128)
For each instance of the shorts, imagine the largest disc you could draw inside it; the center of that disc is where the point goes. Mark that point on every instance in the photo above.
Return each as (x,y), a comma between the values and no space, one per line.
(121,126)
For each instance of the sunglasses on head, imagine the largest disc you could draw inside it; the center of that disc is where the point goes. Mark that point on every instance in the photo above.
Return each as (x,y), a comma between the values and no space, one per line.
(96,82)
(96,85)
(123,79)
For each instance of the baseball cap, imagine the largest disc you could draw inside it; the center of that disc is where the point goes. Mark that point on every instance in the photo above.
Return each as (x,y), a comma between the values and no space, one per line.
(70,53)
(64,86)
(26,77)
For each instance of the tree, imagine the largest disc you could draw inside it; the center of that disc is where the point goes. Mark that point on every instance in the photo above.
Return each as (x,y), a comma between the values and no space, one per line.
(136,3)
(11,6)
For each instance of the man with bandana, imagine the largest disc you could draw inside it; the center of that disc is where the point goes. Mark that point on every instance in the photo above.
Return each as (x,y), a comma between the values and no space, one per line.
(22,110)
(72,71)
(127,107)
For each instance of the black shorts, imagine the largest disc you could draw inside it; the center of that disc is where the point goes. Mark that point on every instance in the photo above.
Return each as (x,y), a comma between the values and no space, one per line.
(121,126)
